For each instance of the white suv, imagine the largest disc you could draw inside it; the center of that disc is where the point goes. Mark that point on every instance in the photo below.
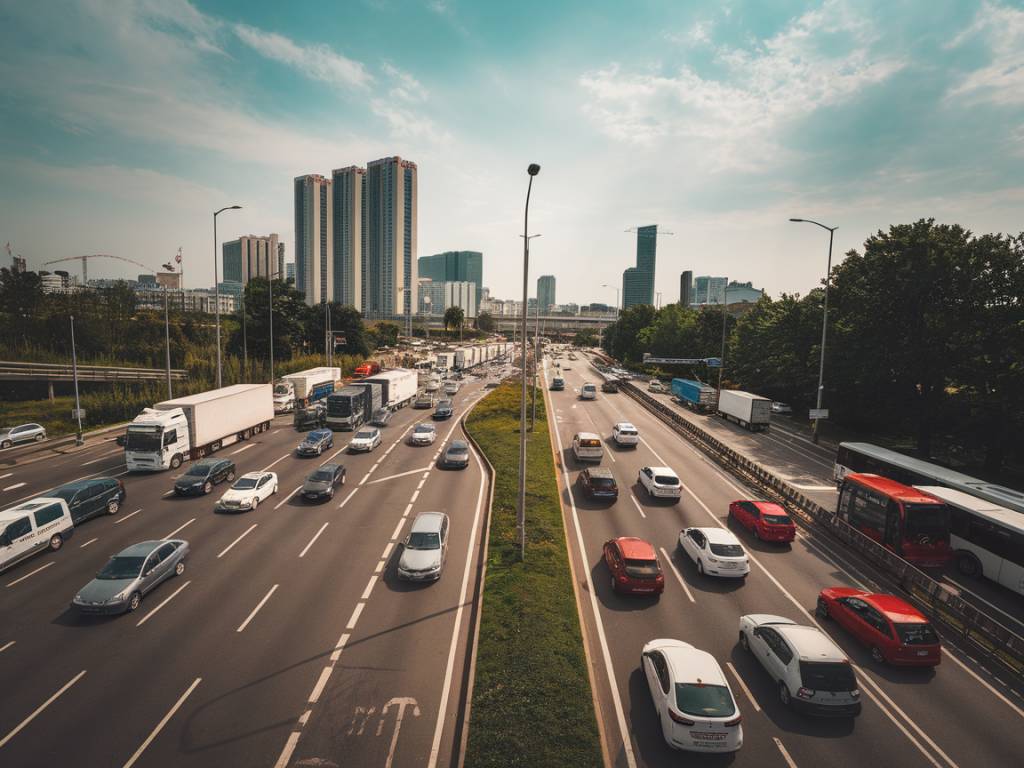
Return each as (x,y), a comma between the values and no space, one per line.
(588,392)
(586,446)
(813,674)
(716,551)
(625,433)
(660,482)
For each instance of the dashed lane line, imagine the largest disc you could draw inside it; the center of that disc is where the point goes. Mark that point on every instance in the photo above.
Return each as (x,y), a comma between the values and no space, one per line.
(30,573)
(21,726)
(256,610)
(232,544)
(165,601)
(126,517)
(311,541)
(160,726)
(679,576)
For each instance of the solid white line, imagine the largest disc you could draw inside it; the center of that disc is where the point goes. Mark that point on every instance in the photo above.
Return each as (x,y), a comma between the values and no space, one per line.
(743,685)
(122,519)
(785,754)
(179,528)
(325,675)
(637,505)
(161,724)
(369,588)
(40,708)
(267,468)
(7,645)
(398,529)
(4,477)
(355,616)
(31,573)
(244,448)
(86,544)
(229,546)
(392,477)
(256,610)
(285,499)
(102,457)
(315,537)
(813,487)
(679,576)
(167,599)
(353,493)
(16,485)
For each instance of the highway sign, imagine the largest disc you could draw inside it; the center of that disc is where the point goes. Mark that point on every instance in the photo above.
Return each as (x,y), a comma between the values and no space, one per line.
(818,413)
(78,413)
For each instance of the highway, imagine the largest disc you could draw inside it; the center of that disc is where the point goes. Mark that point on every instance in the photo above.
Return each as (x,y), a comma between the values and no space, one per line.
(958,715)
(287,641)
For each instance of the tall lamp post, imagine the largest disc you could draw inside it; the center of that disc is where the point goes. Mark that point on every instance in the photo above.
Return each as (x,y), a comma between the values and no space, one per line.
(533,169)
(725,316)
(536,349)
(824,319)
(167,335)
(216,286)
(79,440)
(616,289)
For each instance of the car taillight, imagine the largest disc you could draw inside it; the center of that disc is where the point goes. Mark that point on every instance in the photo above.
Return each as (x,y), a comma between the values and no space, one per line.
(855,693)
(622,577)
(805,693)
(679,718)
(735,721)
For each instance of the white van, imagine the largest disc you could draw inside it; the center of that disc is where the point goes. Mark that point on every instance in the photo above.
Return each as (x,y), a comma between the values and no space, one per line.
(588,392)
(31,527)
(587,446)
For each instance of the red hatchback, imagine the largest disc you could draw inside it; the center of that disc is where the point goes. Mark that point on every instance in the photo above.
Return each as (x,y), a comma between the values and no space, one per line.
(634,566)
(765,519)
(894,630)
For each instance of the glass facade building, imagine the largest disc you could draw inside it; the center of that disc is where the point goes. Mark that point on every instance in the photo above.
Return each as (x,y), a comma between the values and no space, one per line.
(546,292)
(638,281)
(455,267)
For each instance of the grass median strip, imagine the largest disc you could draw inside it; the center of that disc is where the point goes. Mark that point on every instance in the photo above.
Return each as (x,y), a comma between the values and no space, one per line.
(532,704)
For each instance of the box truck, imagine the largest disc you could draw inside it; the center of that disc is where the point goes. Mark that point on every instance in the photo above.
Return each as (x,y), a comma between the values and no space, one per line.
(750,411)
(164,436)
(399,385)
(445,360)
(695,395)
(353,405)
(304,387)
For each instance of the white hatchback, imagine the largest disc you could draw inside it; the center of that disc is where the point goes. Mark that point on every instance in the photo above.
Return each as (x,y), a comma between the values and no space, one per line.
(423,434)
(716,551)
(625,433)
(366,439)
(660,482)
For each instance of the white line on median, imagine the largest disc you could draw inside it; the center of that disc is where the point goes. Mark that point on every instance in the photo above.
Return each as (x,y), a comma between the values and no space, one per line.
(229,546)
(255,610)
(31,573)
(315,537)
(166,600)
(40,708)
(679,576)
(743,685)
(160,726)
(180,528)
(131,514)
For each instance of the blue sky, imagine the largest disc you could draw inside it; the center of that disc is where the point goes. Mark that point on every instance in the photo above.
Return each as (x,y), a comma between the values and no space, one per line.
(125,124)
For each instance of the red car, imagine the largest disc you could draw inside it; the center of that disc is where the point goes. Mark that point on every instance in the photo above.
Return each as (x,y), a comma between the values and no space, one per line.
(767,520)
(634,566)
(894,630)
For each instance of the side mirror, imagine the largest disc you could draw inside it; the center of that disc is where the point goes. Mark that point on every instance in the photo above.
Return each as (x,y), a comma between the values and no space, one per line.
(5,540)
(405,541)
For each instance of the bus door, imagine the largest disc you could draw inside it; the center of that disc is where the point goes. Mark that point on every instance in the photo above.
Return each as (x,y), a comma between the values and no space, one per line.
(893,527)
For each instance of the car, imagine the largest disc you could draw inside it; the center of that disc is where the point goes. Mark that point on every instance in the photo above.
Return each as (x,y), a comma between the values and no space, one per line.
(656,386)
(365,440)
(444,410)
(33,527)
(425,548)
(456,455)
(566,368)
(130,574)
(895,631)
(781,408)
(310,417)
(432,385)
(451,388)
(248,491)
(692,697)
(321,482)
(200,478)
(557,384)
(381,417)
(767,520)
(634,566)
(492,385)
(715,551)
(610,385)
(625,434)
(812,673)
(92,497)
(423,434)
(598,483)
(316,442)
(424,401)
(588,392)
(23,433)
(660,482)
(587,446)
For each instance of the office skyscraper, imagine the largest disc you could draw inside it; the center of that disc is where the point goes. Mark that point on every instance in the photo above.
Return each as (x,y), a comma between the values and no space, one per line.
(390,274)
(685,288)
(708,290)
(455,267)
(314,268)
(546,292)
(250,256)
(349,223)
(638,281)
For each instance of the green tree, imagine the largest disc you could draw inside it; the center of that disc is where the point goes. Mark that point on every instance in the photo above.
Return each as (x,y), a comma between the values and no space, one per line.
(289,310)
(346,322)
(21,304)
(454,317)
(585,338)
(387,333)
(485,322)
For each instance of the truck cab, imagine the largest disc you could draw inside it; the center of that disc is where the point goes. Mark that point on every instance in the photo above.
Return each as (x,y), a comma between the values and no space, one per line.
(157,440)
(284,396)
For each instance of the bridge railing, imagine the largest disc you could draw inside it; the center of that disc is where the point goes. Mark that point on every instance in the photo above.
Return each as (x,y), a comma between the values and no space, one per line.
(17,371)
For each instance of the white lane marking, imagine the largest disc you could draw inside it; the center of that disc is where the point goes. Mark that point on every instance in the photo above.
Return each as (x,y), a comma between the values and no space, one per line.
(321,683)
(4,477)
(256,610)
(392,477)
(169,493)
(40,708)
(289,747)
(743,685)
(408,509)
(7,645)
(166,600)
(180,528)
(160,726)
(415,496)
(813,487)
(285,499)
(229,546)
(345,501)
(398,530)
(401,703)
(90,541)
(355,616)
(275,431)
(243,448)
(275,461)
(122,519)
(637,505)
(315,537)
(369,588)
(785,754)
(31,573)
(679,576)
(339,647)
(387,551)
(101,458)
(16,485)
(612,457)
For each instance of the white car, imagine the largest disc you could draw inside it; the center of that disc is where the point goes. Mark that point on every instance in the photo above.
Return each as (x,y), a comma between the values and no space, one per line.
(656,386)
(451,388)
(423,434)
(625,433)
(366,439)
(716,551)
(781,408)
(588,392)
(425,548)
(660,482)
(695,705)
(248,491)
(432,385)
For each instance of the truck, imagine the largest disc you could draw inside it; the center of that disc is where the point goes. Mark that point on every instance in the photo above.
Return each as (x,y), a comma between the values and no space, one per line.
(304,387)
(353,406)
(695,395)
(399,385)
(445,360)
(164,436)
(369,368)
(748,410)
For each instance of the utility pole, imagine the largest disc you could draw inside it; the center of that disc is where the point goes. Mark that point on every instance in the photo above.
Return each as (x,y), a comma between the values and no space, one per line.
(532,170)
(74,370)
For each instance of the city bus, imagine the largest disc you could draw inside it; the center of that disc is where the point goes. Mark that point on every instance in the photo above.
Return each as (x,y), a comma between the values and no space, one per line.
(987,539)
(864,457)
(904,520)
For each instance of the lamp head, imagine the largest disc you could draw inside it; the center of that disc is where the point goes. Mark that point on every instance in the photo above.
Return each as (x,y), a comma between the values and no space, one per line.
(533,169)
(797,220)
(235,207)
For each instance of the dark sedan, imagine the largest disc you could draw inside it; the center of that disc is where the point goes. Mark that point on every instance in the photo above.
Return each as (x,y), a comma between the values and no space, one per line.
(316,442)
(444,410)
(203,475)
(322,481)
(599,483)
(456,455)
(381,417)
(130,574)
(91,498)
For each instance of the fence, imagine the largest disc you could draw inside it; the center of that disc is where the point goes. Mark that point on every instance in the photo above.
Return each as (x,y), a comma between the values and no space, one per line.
(62,372)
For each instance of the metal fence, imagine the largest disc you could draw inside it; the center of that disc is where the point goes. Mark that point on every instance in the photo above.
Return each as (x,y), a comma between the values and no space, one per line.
(10,371)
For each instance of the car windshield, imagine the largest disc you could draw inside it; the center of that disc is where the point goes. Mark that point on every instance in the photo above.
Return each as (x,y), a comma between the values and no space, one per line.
(199,470)
(381,414)
(364,435)
(727,550)
(666,480)
(926,520)
(827,676)
(704,700)
(322,475)
(627,431)
(244,484)
(458,447)
(602,482)
(917,634)
(121,568)
(423,540)
(777,519)
(423,428)
(642,568)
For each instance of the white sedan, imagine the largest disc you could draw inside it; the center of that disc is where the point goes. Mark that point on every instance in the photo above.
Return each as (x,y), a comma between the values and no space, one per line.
(625,433)
(248,491)
(695,705)
(423,434)
(716,551)
(660,482)
(366,439)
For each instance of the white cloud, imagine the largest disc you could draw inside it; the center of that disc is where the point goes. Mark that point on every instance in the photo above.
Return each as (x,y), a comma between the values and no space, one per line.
(440,7)
(698,34)
(408,125)
(317,62)
(407,88)
(1002,80)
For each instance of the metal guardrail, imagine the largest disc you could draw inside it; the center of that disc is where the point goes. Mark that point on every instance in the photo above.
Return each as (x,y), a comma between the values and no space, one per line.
(992,639)
(14,371)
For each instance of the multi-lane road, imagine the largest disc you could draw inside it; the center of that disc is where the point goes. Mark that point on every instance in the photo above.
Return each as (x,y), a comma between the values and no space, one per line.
(958,715)
(288,640)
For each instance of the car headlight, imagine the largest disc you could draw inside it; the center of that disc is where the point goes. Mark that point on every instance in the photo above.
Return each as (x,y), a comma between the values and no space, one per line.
(122,595)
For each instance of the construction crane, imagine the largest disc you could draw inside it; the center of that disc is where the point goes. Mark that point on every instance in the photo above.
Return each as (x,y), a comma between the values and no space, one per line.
(85,263)
(636,231)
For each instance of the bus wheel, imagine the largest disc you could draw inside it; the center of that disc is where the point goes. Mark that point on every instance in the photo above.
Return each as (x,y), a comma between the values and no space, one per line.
(968,565)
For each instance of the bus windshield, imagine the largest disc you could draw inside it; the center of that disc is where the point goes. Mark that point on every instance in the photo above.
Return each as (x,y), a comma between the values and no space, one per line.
(930,520)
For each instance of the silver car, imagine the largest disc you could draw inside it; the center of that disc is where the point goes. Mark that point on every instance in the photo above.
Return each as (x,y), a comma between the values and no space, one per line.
(425,548)
(25,433)
(130,574)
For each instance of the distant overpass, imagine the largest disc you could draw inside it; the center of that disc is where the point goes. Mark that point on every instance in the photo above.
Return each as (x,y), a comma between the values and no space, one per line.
(554,323)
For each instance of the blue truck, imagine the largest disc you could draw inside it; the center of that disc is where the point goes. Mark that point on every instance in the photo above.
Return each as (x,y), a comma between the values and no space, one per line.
(695,395)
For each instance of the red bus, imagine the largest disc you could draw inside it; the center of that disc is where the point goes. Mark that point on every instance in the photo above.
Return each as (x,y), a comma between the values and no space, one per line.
(910,523)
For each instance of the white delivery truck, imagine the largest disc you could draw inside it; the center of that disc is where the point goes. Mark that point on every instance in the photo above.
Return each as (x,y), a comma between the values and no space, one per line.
(304,387)
(750,411)
(445,360)
(164,436)
(399,384)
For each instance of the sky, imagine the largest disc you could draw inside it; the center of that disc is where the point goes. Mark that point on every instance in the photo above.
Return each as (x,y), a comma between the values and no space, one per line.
(124,125)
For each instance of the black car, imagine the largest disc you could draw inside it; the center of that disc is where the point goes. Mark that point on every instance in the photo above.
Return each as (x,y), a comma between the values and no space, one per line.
(444,410)
(456,455)
(203,475)
(599,483)
(381,417)
(322,481)
(91,498)
(316,442)
(312,416)
(557,384)
(424,401)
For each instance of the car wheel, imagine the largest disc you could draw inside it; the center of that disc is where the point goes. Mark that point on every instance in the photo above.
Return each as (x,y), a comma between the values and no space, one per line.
(207,487)
(179,568)
(112,506)
(231,477)
(330,494)
(175,461)
(968,565)
(255,503)
(822,608)
(5,444)
(40,438)
(700,567)
(757,533)
(134,602)
(784,696)
(56,542)
(876,655)
(274,492)
(744,642)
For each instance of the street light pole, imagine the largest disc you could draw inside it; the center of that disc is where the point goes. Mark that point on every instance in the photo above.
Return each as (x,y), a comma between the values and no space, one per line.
(74,369)
(245,342)
(725,315)
(536,360)
(167,342)
(216,287)
(616,289)
(824,320)
(532,170)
